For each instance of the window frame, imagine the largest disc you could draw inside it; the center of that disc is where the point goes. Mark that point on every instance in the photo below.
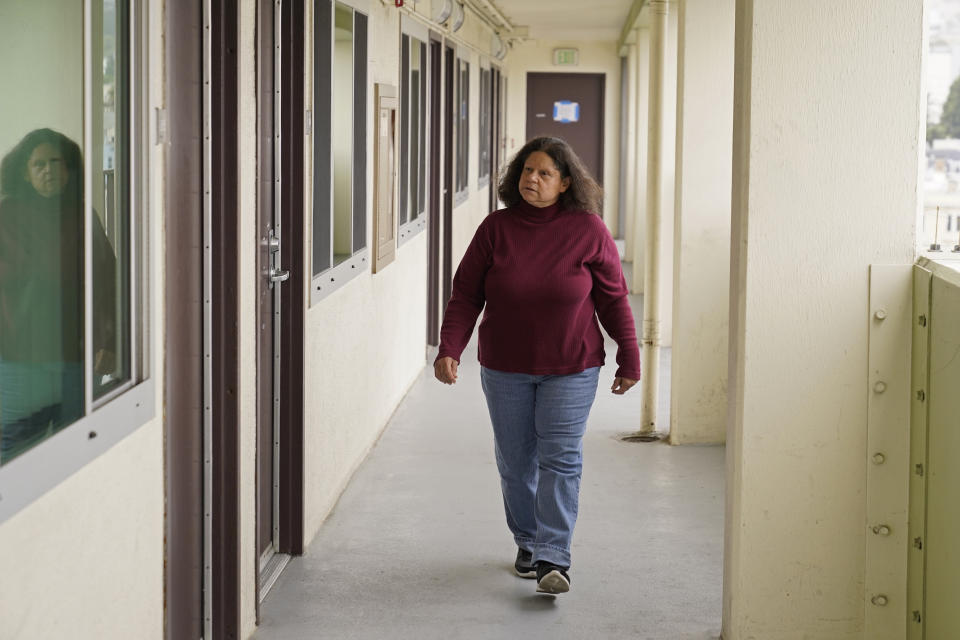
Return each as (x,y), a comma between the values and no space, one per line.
(461,164)
(410,29)
(122,411)
(334,276)
(484,122)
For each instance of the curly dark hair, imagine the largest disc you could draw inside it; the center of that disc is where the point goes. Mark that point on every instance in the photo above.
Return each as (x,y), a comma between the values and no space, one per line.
(583,193)
(13,168)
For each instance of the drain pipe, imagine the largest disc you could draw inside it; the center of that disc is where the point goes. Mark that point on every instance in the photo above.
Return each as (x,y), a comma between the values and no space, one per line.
(649,382)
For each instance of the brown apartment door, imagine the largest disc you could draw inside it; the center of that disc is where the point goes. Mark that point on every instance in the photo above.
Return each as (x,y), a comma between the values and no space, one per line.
(569,106)
(279,330)
(270,277)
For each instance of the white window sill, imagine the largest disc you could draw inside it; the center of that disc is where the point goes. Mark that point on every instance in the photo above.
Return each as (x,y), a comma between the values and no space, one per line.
(324,284)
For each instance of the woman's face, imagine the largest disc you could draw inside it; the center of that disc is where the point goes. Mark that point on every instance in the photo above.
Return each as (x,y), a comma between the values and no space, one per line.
(46,170)
(540,181)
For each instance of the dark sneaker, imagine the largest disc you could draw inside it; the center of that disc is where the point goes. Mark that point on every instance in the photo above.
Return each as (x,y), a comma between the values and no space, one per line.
(524,564)
(552,579)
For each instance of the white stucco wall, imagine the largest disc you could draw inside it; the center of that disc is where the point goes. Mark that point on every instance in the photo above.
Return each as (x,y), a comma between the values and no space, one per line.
(365,343)
(636,223)
(85,560)
(595,57)
(629,144)
(828,114)
(701,282)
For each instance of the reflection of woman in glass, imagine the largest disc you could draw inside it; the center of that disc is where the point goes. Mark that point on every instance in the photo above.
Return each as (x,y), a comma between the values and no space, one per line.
(41,290)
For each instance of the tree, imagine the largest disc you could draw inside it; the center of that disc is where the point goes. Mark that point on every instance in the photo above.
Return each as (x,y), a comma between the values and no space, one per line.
(949,126)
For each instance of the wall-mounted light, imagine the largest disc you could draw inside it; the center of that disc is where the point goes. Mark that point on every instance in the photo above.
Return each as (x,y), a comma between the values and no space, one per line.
(442,10)
(458,17)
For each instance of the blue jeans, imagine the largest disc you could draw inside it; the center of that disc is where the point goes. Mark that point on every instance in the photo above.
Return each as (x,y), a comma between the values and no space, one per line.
(538,425)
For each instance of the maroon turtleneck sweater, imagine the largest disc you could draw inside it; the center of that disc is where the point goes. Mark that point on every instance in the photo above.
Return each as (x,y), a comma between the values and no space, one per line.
(542,278)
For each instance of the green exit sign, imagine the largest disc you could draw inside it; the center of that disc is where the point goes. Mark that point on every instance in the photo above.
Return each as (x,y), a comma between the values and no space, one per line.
(566,57)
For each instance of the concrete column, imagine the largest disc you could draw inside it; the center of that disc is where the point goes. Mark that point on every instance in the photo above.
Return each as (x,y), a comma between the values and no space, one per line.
(668,169)
(701,279)
(630,185)
(827,122)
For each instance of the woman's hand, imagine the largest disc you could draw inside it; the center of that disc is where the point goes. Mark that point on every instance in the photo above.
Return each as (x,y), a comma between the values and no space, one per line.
(622,385)
(445,370)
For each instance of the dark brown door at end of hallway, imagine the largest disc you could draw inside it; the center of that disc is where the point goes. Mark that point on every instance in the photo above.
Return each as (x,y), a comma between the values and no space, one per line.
(569,106)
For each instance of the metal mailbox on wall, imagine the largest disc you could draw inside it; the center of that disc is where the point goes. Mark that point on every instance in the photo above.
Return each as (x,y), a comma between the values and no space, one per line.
(385,178)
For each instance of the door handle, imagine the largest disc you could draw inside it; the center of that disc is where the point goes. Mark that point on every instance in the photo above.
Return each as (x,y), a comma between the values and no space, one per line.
(279,275)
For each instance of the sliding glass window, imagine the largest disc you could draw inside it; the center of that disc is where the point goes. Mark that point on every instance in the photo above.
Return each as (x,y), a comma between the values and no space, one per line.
(339,146)
(49,222)
(71,333)
(413,131)
(483,155)
(463,130)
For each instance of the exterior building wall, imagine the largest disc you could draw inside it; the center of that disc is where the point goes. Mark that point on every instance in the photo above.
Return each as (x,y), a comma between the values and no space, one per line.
(365,343)
(827,138)
(702,226)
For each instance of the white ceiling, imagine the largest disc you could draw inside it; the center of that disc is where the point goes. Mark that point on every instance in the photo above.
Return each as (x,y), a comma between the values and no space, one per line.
(568,19)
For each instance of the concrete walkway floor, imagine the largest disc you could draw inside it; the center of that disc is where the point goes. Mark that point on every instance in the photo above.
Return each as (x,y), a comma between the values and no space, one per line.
(418,547)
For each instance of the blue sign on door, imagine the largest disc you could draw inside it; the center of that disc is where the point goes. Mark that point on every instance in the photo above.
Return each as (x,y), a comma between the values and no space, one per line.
(566,111)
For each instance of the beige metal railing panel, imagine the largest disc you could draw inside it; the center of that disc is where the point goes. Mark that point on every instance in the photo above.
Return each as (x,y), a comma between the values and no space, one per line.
(940,548)
(918,451)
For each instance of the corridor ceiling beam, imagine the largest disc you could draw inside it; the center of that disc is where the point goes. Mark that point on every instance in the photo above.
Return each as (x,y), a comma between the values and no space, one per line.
(630,25)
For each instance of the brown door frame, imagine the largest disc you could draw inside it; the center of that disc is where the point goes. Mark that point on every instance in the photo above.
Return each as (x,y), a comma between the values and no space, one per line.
(225,375)
(264,293)
(184,402)
(449,56)
(433,253)
(292,293)
(183,304)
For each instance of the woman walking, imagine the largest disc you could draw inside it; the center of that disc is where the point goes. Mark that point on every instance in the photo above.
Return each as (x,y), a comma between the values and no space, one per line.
(542,270)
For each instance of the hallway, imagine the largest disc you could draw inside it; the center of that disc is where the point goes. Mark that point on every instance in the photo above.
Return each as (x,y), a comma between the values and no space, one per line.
(417,546)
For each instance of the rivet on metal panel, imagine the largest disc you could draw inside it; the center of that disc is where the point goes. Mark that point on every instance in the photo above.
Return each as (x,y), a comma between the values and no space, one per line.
(880,314)
(918,543)
(880,386)
(881,530)
(923,320)
(921,395)
(879,600)
(918,469)
(879,458)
